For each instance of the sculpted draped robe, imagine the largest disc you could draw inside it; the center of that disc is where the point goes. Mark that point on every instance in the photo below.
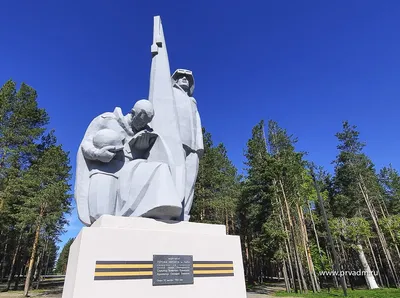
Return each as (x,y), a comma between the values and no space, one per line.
(192,141)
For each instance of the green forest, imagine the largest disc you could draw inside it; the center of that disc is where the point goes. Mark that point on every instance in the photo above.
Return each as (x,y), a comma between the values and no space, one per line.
(295,219)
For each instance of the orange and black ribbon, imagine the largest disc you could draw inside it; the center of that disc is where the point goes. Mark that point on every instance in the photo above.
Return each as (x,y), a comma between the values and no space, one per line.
(120,270)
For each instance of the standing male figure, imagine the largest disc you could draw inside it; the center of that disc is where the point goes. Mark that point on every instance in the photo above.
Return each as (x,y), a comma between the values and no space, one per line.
(190,131)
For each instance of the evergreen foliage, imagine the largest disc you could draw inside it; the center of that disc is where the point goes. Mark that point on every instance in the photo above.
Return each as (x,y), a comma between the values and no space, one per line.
(34,187)
(280,207)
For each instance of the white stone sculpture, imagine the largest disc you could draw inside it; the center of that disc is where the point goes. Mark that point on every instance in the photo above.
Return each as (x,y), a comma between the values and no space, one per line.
(144,163)
(116,172)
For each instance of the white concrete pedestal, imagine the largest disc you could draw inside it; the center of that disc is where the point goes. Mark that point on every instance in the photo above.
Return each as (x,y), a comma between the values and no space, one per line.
(114,258)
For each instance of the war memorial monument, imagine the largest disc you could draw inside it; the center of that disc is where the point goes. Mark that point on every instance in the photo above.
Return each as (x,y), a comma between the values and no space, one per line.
(134,189)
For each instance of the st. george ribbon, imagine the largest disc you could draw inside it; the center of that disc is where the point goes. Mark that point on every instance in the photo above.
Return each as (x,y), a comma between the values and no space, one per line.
(165,121)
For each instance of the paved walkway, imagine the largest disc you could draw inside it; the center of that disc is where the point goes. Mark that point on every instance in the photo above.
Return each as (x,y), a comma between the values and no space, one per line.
(265,291)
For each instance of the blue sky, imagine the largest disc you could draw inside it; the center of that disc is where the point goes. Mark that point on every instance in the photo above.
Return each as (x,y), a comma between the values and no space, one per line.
(306,64)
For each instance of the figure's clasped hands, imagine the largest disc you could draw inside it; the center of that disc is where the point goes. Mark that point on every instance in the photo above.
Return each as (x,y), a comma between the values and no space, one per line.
(107,153)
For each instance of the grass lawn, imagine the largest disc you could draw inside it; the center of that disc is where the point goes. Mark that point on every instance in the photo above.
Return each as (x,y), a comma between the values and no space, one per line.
(378,293)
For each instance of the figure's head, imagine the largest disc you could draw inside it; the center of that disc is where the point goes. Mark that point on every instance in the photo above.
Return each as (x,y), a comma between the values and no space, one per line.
(184,79)
(142,113)
(183,83)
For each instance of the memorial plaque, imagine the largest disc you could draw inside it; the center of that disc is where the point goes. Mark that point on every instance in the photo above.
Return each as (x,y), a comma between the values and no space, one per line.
(172,270)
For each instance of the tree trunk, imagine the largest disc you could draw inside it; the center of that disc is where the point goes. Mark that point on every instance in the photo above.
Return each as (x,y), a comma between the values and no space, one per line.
(203,211)
(226,222)
(251,265)
(288,250)
(33,254)
(381,237)
(313,276)
(385,213)
(247,257)
(299,264)
(39,264)
(13,263)
(20,266)
(316,236)
(39,272)
(383,267)
(3,260)
(232,222)
(296,268)
(317,241)
(46,269)
(304,240)
(299,269)
(331,263)
(297,260)
(285,276)
(375,263)
(288,279)
(345,260)
(328,230)
(292,277)
(369,276)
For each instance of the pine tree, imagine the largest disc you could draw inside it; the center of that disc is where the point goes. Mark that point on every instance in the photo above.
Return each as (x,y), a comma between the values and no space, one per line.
(275,194)
(34,190)
(22,123)
(357,191)
(254,205)
(217,187)
(47,182)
